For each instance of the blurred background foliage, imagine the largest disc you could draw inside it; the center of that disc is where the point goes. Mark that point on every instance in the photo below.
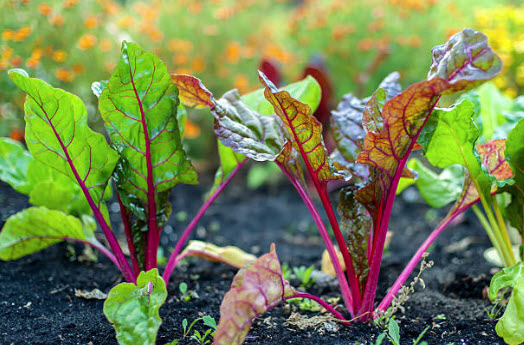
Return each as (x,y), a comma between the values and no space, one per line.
(72,43)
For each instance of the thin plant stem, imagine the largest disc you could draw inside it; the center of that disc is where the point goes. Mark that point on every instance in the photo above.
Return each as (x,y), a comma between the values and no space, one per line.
(414,262)
(182,240)
(344,287)
(320,301)
(503,229)
(489,231)
(129,236)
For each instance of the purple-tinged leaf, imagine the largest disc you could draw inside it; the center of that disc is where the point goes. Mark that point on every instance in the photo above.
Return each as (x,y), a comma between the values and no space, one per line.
(492,158)
(256,288)
(230,255)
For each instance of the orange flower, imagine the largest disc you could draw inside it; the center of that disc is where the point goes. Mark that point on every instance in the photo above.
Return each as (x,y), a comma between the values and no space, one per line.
(198,65)
(22,34)
(105,45)
(44,9)
(232,52)
(3,65)
(191,131)
(366,44)
(195,7)
(17,134)
(63,74)
(78,68)
(58,20)
(224,13)
(6,54)
(180,59)
(8,35)
(33,62)
(125,21)
(182,71)
(91,22)
(16,61)
(241,83)
(87,41)
(59,56)
(180,46)
(70,3)
(211,30)
(155,35)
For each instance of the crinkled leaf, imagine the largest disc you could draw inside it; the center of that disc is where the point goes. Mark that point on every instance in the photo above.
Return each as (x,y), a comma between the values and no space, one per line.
(509,327)
(493,161)
(57,134)
(465,61)
(14,160)
(356,224)
(256,288)
(438,189)
(192,92)
(36,228)
(515,157)
(306,91)
(133,309)
(139,109)
(230,255)
(348,131)
(246,131)
(303,130)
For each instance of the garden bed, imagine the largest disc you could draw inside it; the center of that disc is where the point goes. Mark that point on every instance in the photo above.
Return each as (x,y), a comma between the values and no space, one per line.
(38,303)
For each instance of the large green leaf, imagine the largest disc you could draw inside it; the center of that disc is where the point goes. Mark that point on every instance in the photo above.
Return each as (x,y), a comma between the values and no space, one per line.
(515,157)
(139,108)
(14,160)
(509,327)
(438,189)
(36,228)
(133,309)
(57,134)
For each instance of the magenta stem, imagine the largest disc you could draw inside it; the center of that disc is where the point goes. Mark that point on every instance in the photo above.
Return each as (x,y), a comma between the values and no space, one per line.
(414,261)
(129,236)
(342,282)
(320,301)
(173,260)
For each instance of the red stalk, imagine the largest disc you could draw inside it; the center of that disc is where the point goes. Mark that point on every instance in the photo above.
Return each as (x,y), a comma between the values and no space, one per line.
(174,258)
(129,236)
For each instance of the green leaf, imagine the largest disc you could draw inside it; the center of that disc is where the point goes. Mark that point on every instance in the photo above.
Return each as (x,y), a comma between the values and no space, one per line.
(438,189)
(14,160)
(134,309)
(256,288)
(306,91)
(229,160)
(515,157)
(509,327)
(394,332)
(36,228)
(139,108)
(57,134)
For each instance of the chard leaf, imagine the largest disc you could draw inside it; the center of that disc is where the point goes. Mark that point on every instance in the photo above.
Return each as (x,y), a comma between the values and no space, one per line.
(348,124)
(246,131)
(438,189)
(304,131)
(36,228)
(230,255)
(494,163)
(357,224)
(509,327)
(14,160)
(139,108)
(57,134)
(192,92)
(256,288)
(307,91)
(133,309)
(515,157)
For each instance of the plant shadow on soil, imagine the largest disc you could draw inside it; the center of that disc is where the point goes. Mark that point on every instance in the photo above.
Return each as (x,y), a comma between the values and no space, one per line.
(37,292)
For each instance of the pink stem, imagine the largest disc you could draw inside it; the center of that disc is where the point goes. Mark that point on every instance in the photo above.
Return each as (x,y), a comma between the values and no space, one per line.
(173,258)
(129,236)
(414,261)
(98,247)
(320,301)
(342,282)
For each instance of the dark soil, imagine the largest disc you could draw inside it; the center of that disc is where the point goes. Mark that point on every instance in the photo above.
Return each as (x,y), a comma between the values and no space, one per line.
(37,293)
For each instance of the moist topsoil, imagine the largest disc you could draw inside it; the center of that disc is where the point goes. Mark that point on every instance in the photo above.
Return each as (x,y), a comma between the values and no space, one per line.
(37,293)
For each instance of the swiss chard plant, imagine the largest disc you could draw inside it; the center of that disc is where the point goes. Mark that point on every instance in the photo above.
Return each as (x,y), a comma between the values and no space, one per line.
(374,139)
